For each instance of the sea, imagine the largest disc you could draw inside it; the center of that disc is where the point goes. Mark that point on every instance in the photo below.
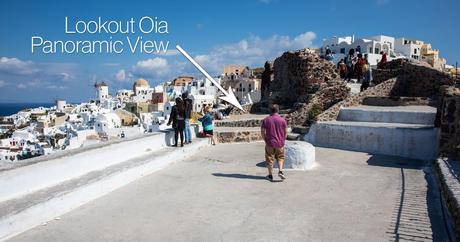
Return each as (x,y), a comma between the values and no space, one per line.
(7,109)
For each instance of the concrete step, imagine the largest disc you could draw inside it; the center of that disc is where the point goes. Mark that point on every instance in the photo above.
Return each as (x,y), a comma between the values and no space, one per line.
(398,114)
(397,101)
(415,141)
(37,206)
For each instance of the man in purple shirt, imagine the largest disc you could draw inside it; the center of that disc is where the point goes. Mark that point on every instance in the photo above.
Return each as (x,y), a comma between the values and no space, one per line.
(274,132)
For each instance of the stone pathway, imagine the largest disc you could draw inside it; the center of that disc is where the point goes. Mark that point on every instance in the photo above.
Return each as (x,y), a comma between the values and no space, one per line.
(221,195)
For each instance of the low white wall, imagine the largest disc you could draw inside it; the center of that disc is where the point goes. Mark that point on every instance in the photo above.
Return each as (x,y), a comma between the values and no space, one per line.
(67,165)
(389,115)
(420,143)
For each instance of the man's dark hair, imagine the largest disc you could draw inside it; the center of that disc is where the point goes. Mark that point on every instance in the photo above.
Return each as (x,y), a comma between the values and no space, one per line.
(275,108)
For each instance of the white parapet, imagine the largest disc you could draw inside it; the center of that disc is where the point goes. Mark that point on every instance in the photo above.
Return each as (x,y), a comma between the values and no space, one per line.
(406,140)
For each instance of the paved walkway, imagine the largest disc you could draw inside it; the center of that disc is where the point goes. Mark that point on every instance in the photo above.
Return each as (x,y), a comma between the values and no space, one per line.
(221,195)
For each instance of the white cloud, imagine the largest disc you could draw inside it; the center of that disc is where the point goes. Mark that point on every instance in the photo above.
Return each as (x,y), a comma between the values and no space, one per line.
(37,83)
(152,68)
(66,76)
(168,52)
(56,87)
(253,51)
(3,83)
(21,86)
(120,75)
(17,66)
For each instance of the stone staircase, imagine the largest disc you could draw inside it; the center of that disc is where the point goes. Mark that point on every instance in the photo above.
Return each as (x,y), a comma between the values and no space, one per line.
(406,131)
(34,194)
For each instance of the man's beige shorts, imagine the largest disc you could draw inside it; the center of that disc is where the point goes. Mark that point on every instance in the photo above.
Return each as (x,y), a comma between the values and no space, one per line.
(272,153)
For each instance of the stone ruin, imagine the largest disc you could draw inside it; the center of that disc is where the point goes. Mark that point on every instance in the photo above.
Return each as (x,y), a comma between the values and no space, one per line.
(412,79)
(304,83)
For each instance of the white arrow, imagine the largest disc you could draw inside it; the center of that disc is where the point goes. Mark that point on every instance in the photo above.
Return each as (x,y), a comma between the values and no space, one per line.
(229,96)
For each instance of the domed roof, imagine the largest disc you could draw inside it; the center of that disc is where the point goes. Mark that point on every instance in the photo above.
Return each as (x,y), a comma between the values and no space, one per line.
(142,83)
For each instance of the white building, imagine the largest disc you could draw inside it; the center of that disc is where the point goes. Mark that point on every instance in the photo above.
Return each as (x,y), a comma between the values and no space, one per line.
(125,95)
(60,105)
(199,101)
(142,91)
(372,46)
(106,121)
(408,47)
(102,91)
(202,87)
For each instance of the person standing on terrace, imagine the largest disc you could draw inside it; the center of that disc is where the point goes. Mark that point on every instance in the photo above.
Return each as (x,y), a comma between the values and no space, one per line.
(274,132)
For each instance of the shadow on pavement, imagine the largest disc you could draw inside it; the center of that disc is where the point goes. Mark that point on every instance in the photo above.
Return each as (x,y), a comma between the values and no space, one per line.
(239,176)
(395,162)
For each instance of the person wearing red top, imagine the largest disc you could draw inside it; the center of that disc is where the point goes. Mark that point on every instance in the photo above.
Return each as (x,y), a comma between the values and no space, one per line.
(274,133)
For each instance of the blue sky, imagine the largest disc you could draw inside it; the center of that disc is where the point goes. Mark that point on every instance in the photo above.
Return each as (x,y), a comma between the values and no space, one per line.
(214,32)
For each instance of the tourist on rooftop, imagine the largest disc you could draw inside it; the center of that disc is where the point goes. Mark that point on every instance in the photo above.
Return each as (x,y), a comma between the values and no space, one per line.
(188,114)
(342,69)
(274,132)
(383,60)
(349,61)
(367,71)
(358,49)
(177,119)
(329,56)
(208,127)
(359,67)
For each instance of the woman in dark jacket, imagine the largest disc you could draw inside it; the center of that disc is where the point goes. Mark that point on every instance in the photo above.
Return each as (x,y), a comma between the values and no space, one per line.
(177,119)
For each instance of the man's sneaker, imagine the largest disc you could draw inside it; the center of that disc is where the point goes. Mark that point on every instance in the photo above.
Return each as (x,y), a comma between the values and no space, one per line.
(281,175)
(269,177)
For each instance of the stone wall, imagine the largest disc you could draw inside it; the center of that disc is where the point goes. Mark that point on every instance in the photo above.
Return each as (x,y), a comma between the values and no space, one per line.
(238,123)
(322,100)
(238,136)
(450,187)
(448,119)
(303,84)
(413,79)
(298,75)
(382,89)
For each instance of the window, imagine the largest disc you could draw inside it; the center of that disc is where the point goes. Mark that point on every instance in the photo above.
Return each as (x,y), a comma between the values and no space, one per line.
(370,50)
(342,50)
(415,51)
(377,51)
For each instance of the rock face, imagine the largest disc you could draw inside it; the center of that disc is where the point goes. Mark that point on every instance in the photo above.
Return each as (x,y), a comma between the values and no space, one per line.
(413,79)
(299,155)
(304,81)
(448,120)
(300,74)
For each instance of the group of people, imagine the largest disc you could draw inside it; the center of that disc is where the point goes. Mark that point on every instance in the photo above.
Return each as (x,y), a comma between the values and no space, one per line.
(180,120)
(356,65)
(273,131)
